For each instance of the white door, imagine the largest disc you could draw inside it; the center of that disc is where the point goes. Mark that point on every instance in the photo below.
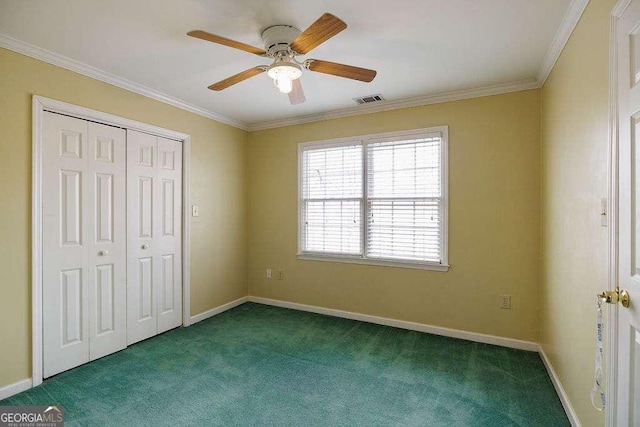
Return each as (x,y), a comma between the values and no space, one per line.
(168,242)
(107,240)
(84,258)
(627,402)
(154,221)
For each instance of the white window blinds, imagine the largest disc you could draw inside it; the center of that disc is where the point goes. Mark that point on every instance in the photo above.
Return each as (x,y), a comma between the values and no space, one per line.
(404,199)
(381,198)
(332,199)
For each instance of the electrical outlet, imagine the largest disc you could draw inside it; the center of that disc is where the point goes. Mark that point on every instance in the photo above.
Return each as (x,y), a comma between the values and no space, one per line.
(280,274)
(268,273)
(505,301)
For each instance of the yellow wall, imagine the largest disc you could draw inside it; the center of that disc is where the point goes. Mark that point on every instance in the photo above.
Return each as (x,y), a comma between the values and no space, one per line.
(574,180)
(218,154)
(527,172)
(494,209)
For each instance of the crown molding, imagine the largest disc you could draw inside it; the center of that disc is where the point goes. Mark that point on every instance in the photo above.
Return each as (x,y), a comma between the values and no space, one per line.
(568,24)
(396,105)
(620,7)
(95,73)
(569,21)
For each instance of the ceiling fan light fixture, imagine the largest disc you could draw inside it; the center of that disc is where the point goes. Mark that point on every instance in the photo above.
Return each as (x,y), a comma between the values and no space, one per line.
(282,44)
(283,75)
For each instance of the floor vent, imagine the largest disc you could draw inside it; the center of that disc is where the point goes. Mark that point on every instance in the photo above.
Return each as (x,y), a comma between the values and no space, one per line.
(368,99)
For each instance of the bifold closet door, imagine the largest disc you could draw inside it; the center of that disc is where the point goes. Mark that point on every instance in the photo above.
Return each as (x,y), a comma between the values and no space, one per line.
(84,241)
(154,240)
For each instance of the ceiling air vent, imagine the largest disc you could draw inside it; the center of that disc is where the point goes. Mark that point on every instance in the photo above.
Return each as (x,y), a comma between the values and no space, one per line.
(368,99)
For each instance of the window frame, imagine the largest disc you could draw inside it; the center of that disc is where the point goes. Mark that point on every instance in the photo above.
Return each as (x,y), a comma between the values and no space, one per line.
(364,140)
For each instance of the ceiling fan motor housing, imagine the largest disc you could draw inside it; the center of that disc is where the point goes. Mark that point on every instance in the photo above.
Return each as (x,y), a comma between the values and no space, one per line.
(278,37)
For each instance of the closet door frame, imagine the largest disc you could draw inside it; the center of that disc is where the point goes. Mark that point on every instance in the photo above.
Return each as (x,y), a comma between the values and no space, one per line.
(39,106)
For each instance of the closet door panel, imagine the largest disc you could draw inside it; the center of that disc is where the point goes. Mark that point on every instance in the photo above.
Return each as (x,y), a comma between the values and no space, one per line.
(108,244)
(65,240)
(112,241)
(154,218)
(169,239)
(143,267)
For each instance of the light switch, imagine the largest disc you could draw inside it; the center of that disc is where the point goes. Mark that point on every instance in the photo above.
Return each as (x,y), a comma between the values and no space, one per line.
(603,213)
(195,211)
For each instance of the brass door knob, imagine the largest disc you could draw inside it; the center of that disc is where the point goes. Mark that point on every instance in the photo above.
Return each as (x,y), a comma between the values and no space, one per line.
(614,297)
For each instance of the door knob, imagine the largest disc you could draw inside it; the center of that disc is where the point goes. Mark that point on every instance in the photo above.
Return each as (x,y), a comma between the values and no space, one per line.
(145,246)
(103,253)
(614,297)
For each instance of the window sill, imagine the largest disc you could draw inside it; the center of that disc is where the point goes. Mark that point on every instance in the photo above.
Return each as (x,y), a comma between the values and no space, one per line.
(382,263)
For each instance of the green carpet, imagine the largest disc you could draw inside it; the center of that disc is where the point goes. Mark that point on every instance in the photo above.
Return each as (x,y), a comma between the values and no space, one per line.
(262,365)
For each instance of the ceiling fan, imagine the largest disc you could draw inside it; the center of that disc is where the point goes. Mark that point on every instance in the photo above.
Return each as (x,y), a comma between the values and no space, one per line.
(282,44)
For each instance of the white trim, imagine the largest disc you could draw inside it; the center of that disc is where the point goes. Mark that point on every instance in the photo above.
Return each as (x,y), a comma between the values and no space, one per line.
(402,103)
(441,132)
(569,21)
(50,57)
(402,324)
(65,108)
(186,231)
(444,215)
(562,394)
(369,261)
(67,63)
(364,236)
(15,388)
(433,131)
(217,310)
(36,242)
(39,106)
(611,412)
(619,9)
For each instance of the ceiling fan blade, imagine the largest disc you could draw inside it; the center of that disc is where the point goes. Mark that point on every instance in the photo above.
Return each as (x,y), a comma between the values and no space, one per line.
(237,78)
(341,70)
(199,34)
(319,32)
(296,96)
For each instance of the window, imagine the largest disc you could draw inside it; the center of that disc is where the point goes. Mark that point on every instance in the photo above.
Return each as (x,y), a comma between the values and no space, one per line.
(378,199)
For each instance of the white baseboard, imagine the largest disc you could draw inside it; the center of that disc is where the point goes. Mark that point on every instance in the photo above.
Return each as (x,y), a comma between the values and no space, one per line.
(217,310)
(562,394)
(20,386)
(412,326)
(15,388)
(437,330)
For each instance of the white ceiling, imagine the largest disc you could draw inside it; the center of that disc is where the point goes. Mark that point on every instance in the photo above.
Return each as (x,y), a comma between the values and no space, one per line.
(418,47)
